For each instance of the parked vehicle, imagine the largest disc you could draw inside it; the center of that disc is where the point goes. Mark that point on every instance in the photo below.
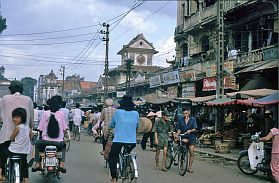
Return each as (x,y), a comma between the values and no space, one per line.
(256,158)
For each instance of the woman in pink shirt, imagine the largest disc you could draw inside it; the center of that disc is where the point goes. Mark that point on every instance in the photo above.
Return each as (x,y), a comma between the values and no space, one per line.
(274,164)
(53,127)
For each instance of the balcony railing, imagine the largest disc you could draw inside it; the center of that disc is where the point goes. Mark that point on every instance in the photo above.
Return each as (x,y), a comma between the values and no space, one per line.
(209,13)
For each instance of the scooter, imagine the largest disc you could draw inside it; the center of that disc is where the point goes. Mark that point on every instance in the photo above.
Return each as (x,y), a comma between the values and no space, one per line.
(256,158)
(50,162)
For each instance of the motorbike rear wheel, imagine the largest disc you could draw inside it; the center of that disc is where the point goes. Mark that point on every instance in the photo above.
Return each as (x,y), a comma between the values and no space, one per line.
(243,164)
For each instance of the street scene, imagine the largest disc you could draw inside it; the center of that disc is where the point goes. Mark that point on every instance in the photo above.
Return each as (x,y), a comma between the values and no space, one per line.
(139,91)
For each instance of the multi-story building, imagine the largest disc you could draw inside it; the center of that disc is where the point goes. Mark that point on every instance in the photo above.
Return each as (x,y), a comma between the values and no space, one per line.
(250,37)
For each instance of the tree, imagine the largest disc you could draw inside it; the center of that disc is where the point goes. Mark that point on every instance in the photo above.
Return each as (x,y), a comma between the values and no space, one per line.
(2,72)
(3,24)
(28,86)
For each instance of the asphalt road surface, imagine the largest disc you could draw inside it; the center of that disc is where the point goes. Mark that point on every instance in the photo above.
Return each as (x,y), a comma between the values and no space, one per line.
(85,165)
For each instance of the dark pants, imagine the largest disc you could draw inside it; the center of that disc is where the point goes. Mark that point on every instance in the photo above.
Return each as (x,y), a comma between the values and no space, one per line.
(5,153)
(89,128)
(104,142)
(114,155)
(71,125)
(144,140)
(41,145)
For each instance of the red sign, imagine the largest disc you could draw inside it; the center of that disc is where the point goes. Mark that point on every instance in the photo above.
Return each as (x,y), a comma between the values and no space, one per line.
(209,84)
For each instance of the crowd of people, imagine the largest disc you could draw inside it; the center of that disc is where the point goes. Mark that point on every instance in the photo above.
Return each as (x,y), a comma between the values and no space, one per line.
(116,126)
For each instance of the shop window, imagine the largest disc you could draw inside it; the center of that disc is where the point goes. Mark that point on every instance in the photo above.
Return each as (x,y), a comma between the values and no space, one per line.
(205,43)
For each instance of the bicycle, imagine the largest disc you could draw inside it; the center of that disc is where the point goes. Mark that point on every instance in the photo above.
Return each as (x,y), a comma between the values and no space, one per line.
(76,132)
(180,150)
(127,169)
(12,169)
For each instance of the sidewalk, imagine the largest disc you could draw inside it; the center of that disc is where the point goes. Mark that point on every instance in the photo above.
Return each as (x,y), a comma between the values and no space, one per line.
(233,155)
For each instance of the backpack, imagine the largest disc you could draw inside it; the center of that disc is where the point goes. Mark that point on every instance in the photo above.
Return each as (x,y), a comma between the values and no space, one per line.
(53,127)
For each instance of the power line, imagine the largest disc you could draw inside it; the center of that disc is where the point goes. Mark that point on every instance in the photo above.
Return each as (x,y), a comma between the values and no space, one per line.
(57,43)
(49,32)
(41,39)
(141,21)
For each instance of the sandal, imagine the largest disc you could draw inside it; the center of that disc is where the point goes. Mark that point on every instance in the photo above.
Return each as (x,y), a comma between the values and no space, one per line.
(190,171)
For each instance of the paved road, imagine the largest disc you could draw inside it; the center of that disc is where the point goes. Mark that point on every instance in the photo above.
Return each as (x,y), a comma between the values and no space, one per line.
(85,165)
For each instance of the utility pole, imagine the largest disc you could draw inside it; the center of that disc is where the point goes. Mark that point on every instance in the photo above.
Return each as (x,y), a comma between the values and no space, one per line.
(129,63)
(62,70)
(220,57)
(106,40)
(220,52)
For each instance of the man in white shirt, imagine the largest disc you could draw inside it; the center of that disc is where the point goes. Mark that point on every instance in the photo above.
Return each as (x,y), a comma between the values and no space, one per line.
(66,112)
(77,115)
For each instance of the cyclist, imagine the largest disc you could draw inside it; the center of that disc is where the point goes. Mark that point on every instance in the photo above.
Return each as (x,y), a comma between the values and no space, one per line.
(53,128)
(125,122)
(77,117)
(20,144)
(188,125)
(66,112)
(161,136)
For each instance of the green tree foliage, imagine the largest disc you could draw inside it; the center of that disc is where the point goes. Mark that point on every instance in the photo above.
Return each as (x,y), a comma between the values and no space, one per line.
(2,72)
(28,86)
(3,24)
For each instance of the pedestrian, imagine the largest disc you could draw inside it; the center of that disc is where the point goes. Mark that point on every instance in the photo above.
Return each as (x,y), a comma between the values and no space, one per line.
(90,121)
(105,119)
(161,128)
(20,143)
(125,121)
(7,105)
(274,164)
(53,128)
(77,117)
(150,134)
(188,125)
(66,112)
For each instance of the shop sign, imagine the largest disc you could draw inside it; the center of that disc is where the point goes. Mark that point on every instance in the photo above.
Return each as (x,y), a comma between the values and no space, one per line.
(155,81)
(120,94)
(211,69)
(172,91)
(186,76)
(209,84)
(188,90)
(170,78)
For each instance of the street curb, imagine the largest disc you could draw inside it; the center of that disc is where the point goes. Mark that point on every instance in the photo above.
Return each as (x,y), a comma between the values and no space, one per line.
(225,156)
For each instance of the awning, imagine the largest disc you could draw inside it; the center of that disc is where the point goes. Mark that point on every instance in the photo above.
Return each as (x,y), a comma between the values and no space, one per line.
(260,66)
(254,93)
(270,99)
(198,99)
(230,101)
(161,101)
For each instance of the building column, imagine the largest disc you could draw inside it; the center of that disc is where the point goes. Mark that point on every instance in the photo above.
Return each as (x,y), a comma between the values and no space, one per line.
(250,41)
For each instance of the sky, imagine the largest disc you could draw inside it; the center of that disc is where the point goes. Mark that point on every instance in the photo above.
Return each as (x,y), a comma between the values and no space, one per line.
(43,35)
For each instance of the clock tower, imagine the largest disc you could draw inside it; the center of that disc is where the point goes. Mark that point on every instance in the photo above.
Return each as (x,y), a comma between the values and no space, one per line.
(139,50)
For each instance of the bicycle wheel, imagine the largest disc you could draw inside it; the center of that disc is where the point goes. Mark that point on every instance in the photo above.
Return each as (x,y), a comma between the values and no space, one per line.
(78,134)
(169,159)
(16,174)
(182,160)
(67,140)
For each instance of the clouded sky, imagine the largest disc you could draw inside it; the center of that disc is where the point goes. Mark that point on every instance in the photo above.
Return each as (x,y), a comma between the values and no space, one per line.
(46,34)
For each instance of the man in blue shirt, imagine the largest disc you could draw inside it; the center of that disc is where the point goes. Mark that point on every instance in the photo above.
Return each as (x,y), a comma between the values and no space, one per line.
(125,121)
(188,125)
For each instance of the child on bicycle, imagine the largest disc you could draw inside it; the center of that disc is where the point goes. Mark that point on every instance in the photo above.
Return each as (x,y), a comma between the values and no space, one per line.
(20,142)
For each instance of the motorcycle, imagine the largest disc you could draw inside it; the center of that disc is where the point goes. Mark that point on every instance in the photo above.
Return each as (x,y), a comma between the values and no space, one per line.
(50,162)
(256,158)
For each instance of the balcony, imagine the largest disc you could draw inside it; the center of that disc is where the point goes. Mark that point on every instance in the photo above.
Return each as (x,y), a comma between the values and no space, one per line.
(209,14)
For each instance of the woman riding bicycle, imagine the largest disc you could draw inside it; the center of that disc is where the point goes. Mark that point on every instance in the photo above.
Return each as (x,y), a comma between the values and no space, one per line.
(53,127)
(125,122)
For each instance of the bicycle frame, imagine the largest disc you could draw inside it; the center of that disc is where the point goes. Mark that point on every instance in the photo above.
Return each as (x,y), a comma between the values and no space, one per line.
(124,160)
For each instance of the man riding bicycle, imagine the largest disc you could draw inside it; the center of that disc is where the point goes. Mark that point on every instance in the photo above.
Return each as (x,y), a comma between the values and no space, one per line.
(125,121)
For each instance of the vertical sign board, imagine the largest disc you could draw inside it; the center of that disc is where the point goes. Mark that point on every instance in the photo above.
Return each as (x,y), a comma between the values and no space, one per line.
(170,78)
(172,91)
(155,81)
(188,90)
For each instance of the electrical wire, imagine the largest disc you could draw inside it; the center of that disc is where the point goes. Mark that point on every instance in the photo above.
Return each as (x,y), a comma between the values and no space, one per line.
(57,43)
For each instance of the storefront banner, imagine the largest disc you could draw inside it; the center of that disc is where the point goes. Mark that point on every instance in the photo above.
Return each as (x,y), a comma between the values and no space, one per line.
(170,78)
(120,94)
(172,92)
(155,81)
(209,84)
(211,69)
(188,90)
(186,76)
